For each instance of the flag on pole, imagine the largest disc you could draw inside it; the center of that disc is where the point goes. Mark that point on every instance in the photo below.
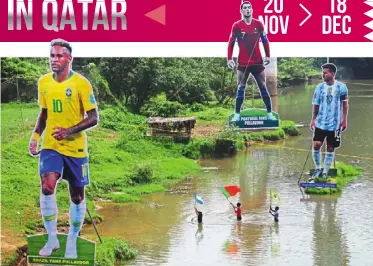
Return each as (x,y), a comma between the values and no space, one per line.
(230,191)
(274,194)
(198,199)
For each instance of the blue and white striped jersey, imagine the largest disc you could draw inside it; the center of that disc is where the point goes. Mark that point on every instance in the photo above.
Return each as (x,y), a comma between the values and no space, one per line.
(329,99)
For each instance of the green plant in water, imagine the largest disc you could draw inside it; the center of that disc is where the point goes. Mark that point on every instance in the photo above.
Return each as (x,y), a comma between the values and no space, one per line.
(289,128)
(112,251)
(345,174)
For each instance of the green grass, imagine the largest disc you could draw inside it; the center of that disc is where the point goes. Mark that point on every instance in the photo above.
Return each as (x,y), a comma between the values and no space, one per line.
(345,174)
(13,127)
(120,197)
(113,250)
(289,128)
(217,115)
(123,166)
(145,189)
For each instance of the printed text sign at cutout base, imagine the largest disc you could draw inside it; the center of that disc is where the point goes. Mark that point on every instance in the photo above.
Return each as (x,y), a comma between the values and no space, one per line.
(86,251)
(317,185)
(255,118)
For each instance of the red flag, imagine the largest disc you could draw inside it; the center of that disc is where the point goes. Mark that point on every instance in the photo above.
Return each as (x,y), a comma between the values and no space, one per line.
(230,191)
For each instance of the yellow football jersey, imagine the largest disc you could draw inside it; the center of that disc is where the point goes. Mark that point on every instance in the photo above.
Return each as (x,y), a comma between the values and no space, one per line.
(66,102)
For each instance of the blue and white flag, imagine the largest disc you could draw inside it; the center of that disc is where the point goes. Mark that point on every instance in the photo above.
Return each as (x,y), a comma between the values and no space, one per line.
(198,199)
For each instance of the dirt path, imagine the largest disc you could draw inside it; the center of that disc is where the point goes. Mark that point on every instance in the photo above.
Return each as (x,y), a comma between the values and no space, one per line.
(207,131)
(12,244)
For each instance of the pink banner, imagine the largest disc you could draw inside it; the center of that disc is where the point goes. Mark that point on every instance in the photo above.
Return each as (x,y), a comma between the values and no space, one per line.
(182,21)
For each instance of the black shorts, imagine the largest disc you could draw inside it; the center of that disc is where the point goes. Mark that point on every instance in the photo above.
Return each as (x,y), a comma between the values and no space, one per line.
(251,69)
(333,138)
(239,218)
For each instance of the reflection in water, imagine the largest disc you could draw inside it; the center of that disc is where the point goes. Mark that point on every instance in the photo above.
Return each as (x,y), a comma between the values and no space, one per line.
(232,245)
(317,231)
(329,244)
(327,235)
(199,233)
(254,167)
(275,239)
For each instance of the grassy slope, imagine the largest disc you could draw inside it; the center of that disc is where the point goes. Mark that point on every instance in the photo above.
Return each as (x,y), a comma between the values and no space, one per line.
(113,162)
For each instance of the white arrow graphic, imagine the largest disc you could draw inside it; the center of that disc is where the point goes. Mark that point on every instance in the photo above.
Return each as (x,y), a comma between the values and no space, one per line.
(369,13)
(308,12)
(369,25)
(369,36)
(369,3)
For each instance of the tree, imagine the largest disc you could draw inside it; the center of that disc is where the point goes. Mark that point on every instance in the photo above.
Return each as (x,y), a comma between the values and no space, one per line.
(19,77)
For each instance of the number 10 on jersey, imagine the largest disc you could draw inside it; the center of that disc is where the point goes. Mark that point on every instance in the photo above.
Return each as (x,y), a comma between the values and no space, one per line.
(57,106)
(275,23)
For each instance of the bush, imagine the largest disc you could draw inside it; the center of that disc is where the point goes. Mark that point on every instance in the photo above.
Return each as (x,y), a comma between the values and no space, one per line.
(274,135)
(123,251)
(116,118)
(197,107)
(198,148)
(160,106)
(230,133)
(143,174)
(346,170)
(289,128)
(113,250)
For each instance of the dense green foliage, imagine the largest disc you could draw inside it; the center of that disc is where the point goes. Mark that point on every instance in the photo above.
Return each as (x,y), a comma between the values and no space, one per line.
(137,82)
(132,82)
(291,69)
(128,81)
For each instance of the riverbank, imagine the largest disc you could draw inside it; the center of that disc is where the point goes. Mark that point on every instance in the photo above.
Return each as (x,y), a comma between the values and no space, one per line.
(124,164)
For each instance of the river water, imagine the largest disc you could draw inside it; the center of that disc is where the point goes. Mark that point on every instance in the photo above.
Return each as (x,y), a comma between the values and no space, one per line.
(318,230)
